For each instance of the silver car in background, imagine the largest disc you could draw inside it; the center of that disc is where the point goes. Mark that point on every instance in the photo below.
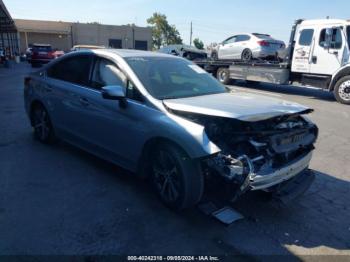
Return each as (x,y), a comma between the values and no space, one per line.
(249,46)
(165,118)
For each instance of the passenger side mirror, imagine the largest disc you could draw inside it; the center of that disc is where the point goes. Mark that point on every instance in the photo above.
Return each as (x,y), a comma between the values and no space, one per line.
(113,92)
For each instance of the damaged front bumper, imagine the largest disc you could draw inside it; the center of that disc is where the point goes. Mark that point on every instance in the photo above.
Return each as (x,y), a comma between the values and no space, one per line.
(267,179)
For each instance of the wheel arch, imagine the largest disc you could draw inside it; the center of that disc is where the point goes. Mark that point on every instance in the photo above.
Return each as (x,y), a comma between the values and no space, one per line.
(143,164)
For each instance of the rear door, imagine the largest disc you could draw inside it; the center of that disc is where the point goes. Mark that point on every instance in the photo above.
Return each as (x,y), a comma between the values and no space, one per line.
(303,50)
(242,42)
(328,59)
(66,79)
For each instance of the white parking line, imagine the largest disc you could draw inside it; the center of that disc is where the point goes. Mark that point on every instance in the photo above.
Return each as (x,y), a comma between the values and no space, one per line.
(254,91)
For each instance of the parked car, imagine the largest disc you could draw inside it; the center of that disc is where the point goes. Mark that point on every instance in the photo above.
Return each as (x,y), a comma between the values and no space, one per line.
(248,46)
(167,119)
(185,51)
(2,56)
(43,54)
(29,52)
(86,47)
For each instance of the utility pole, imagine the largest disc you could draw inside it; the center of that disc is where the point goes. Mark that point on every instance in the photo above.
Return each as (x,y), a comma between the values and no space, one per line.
(191,34)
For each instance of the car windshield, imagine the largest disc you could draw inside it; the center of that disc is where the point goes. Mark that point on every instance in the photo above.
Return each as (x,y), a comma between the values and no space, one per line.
(171,78)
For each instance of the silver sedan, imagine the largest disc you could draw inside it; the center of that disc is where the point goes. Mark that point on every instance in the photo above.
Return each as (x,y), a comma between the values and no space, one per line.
(168,120)
(248,46)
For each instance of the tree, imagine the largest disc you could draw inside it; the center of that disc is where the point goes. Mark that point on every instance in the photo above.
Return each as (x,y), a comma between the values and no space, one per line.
(162,32)
(198,43)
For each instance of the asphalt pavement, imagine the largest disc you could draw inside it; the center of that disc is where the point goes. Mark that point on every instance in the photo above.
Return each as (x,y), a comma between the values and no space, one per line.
(59,200)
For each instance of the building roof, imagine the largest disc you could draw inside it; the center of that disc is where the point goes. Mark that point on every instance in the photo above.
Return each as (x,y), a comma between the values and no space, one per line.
(6,22)
(38,26)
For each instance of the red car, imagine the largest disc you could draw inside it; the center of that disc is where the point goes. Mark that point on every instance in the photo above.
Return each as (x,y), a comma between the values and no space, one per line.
(43,54)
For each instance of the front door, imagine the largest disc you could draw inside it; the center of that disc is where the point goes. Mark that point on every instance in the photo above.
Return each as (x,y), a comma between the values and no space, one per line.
(109,129)
(226,48)
(303,50)
(328,59)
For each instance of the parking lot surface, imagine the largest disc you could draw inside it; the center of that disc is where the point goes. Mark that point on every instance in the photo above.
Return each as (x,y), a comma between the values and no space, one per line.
(60,200)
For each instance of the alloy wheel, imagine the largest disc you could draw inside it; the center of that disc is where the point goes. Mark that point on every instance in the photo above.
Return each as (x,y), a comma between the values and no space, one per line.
(166,176)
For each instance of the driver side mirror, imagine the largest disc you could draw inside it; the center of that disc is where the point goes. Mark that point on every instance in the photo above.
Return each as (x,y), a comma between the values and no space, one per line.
(114,93)
(328,38)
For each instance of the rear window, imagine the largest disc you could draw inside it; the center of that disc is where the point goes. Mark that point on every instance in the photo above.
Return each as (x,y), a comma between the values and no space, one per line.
(306,37)
(42,48)
(263,36)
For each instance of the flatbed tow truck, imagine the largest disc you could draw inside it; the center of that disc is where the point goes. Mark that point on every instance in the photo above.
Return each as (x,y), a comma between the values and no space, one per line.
(317,55)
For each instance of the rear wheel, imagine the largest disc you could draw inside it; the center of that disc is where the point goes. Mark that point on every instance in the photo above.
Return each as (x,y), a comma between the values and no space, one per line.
(223,75)
(247,55)
(42,126)
(342,90)
(176,178)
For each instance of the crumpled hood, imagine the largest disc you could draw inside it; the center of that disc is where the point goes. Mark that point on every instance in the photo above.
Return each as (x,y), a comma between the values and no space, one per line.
(238,105)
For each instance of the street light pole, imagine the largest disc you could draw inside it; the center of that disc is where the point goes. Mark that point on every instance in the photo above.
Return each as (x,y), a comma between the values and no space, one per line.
(191,34)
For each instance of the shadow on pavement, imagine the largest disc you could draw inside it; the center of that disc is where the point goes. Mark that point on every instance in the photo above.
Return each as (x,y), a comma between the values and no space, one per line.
(319,219)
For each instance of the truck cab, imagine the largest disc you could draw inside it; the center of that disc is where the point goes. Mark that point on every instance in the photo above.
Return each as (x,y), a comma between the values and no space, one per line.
(321,55)
(318,55)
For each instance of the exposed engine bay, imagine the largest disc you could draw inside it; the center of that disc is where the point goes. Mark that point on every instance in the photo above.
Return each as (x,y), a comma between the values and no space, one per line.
(257,155)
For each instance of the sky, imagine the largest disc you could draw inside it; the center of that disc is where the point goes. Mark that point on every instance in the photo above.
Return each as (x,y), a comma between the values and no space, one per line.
(213,21)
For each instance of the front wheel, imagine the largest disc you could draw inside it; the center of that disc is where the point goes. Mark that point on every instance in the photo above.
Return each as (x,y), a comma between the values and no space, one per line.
(342,90)
(177,179)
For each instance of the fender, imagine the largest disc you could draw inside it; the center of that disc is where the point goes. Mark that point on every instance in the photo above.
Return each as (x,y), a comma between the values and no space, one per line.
(342,71)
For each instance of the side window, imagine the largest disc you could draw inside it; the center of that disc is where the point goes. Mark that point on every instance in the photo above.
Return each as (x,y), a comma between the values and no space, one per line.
(132,92)
(106,73)
(336,41)
(306,37)
(74,69)
(348,34)
(242,38)
(230,40)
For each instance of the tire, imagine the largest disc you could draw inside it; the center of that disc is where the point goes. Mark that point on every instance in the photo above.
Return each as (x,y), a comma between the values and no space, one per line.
(223,75)
(177,180)
(247,55)
(214,55)
(43,130)
(342,90)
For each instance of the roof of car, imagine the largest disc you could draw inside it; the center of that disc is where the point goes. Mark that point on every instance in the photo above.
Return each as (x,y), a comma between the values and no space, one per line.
(130,53)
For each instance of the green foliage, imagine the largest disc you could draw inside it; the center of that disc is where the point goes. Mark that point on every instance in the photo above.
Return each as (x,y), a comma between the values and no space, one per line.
(163,33)
(198,43)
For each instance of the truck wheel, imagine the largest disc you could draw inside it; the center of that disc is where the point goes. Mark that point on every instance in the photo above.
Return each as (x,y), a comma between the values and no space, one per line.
(247,55)
(223,75)
(177,179)
(342,90)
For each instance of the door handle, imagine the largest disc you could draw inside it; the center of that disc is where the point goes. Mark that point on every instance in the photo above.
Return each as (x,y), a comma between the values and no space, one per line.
(48,89)
(314,59)
(84,101)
